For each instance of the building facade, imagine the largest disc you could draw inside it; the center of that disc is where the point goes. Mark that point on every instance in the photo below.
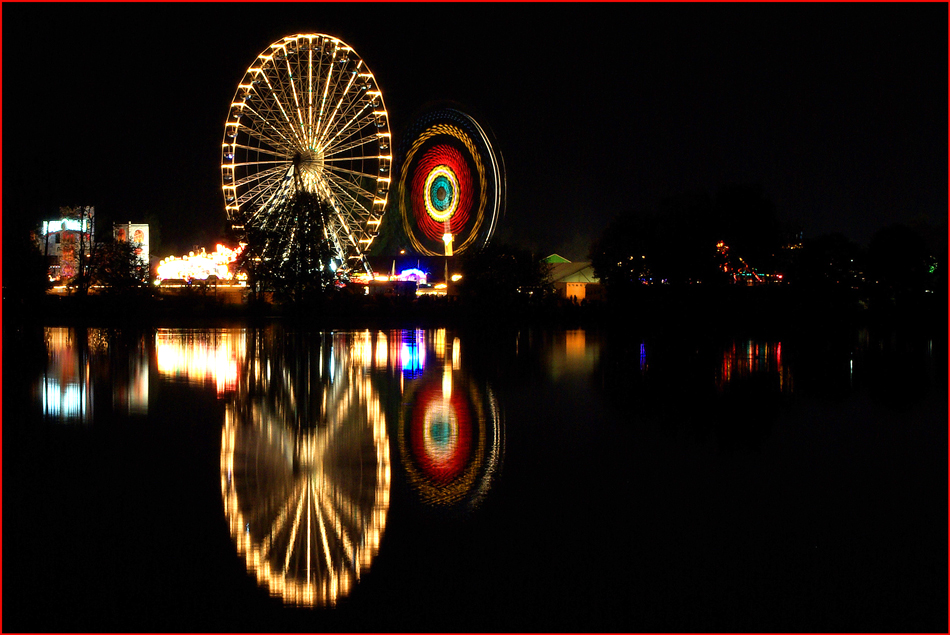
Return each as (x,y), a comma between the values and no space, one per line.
(67,242)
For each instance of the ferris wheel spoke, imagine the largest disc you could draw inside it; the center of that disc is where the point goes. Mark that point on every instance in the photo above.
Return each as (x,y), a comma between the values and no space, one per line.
(279,522)
(309,93)
(361,110)
(348,508)
(323,96)
(285,118)
(293,91)
(331,120)
(336,95)
(266,195)
(323,539)
(343,184)
(263,175)
(339,172)
(342,147)
(262,150)
(339,127)
(325,498)
(265,130)
(348,158)
(301,501)
(277,141)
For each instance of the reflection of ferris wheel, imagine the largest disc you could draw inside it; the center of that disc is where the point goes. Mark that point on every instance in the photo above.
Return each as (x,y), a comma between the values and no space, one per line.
(451,184)
(451,440)
(307,507)
(309,117)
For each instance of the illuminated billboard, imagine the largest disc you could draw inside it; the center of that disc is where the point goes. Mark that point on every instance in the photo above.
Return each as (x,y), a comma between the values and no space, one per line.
(136,233)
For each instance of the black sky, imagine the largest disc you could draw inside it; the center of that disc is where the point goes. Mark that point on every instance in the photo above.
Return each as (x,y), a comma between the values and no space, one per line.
(839,112)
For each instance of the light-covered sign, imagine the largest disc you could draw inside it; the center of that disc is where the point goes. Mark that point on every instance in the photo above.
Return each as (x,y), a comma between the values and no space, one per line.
(135,233)
(67,224)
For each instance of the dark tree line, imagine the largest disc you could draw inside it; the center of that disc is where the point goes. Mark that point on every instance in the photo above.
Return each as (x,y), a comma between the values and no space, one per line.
(118,269)
(503,272)
(677,242)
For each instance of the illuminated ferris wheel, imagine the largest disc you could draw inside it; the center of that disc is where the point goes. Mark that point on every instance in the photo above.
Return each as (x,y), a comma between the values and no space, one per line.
(451,183)
(308,117)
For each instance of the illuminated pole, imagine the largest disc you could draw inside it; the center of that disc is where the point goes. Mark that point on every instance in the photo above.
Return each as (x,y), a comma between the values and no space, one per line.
(447,238)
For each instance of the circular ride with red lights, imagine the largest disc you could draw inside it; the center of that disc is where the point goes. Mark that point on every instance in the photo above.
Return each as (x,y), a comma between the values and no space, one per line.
(450,439)
(451,189)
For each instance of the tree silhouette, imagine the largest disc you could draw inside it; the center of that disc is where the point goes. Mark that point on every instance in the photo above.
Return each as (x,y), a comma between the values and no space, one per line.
(118,269)
(27,272)
(295,259)
(676,242)
(899,259)
(503,272)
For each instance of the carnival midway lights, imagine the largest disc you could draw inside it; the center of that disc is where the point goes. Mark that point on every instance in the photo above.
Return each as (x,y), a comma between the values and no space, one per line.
(202,265)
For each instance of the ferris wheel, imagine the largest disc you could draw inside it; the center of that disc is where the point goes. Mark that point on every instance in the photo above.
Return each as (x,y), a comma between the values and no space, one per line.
(308,117)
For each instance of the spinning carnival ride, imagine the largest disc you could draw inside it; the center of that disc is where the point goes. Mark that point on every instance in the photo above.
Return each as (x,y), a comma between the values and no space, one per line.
(451,185)
(307,118)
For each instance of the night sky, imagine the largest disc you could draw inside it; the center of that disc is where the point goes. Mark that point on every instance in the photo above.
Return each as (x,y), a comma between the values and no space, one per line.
(839,112)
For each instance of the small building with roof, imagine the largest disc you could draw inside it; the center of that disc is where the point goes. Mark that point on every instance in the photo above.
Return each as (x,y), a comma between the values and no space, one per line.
(574,280)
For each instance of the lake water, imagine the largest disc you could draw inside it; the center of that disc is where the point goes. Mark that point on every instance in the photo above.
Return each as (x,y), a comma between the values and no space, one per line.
(276,479)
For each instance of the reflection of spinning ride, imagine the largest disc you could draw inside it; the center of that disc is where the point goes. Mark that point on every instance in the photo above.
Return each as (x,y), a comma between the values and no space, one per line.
(305,471)
(451,184)
(450,439)
(307,117)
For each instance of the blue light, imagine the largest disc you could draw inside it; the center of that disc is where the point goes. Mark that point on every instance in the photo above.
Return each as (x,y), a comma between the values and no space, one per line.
(412,353)
(416,275)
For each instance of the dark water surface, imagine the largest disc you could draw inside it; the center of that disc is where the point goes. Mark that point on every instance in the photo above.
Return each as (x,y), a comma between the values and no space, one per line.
(273,479)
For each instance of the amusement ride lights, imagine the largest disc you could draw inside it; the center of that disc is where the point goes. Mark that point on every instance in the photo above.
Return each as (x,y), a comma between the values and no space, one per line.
(201,265)
(308,117)
(451,186)
(450,434)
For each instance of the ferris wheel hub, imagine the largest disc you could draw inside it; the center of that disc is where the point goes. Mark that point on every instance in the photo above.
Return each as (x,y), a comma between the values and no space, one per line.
(308,166)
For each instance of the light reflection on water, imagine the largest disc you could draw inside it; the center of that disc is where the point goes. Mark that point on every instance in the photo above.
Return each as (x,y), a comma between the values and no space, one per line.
(200,356)
(572,353)
(305,474)
(305,450)
(316,423)
(78,359)
(451,437)
(743,359)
